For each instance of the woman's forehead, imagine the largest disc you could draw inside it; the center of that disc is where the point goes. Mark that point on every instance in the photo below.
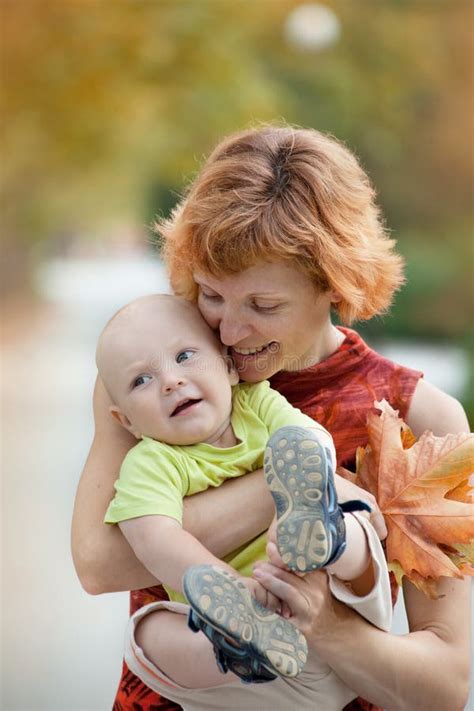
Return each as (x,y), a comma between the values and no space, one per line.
(262,278)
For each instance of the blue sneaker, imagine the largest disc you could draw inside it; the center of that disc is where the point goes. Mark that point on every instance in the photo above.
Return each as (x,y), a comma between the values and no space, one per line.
(298,470)
(249,640)
(228,656)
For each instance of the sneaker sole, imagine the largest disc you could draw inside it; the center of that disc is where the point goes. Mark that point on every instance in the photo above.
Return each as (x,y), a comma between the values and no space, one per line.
(296,472)
(223,602)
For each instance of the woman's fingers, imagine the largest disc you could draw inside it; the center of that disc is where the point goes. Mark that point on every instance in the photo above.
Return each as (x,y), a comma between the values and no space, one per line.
(306,601)
(274,556)
(262,595)
(294,603)
(273,602)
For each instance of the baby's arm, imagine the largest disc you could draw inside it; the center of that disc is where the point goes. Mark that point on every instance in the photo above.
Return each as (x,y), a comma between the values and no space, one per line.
(102,557)
(148,508)
(167,550)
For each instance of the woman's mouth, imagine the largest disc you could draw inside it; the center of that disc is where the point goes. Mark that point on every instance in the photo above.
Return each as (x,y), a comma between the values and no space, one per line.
(257,351)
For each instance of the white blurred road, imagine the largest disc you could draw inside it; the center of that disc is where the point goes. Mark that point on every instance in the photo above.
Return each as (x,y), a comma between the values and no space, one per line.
(61,649)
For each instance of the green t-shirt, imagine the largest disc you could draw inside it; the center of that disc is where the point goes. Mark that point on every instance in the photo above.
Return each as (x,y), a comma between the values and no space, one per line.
(155,477)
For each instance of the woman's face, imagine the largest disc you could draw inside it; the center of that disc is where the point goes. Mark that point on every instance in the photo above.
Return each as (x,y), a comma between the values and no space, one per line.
(271,317)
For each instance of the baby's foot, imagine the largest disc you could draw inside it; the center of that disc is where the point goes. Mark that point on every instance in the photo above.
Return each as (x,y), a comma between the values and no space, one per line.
(220,602)
(298,470)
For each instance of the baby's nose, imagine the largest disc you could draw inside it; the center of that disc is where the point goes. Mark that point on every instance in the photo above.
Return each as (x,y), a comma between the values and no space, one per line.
(171,381)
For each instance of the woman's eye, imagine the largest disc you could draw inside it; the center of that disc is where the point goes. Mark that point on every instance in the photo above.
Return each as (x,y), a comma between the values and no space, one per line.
(265,307)
(141,380)
(184,355)
(209,295)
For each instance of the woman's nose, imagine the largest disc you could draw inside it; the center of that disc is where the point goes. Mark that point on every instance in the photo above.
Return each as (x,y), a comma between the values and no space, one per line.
(232,329)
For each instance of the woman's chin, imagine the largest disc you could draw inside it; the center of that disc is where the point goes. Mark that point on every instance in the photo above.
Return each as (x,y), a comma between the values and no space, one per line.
(258,367)
(255,372)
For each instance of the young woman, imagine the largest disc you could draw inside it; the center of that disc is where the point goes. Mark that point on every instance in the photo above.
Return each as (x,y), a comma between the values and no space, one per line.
(279,229)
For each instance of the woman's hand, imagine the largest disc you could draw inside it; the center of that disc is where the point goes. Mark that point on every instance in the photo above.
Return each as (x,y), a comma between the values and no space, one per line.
(262,594)
(347,491)
(306,600)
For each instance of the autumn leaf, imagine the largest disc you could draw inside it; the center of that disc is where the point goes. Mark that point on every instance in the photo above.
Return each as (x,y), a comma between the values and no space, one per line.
(422,488)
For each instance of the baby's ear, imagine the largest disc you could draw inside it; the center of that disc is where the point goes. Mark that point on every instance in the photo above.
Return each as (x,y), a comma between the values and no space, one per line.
(123,420)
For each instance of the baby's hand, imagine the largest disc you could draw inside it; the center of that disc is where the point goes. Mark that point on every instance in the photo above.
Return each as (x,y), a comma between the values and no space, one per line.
(264,597)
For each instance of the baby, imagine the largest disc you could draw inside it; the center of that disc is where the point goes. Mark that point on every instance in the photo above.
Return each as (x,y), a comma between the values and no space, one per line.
(174,388)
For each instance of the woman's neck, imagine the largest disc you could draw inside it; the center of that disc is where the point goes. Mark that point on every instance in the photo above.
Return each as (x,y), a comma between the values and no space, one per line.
(332,343)
(325,344)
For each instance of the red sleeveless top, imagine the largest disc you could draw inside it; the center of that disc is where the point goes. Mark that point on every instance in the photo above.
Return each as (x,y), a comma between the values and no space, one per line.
(338,392)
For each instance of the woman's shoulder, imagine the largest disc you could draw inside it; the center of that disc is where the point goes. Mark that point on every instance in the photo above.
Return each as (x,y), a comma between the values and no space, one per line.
(434,410)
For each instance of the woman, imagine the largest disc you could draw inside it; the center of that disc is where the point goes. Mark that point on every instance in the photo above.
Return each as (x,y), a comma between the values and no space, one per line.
(278,229)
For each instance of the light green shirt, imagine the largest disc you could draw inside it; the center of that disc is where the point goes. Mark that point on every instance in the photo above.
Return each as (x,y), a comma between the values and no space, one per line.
(155,477)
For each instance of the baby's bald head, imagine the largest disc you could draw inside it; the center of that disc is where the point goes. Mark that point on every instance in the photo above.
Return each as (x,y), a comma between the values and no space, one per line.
(165,372)
(140,329)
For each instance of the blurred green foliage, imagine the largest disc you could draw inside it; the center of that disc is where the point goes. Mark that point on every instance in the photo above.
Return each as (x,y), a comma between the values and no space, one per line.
(108,108)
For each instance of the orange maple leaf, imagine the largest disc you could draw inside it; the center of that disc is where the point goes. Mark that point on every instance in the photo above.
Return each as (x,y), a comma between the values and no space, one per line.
(422,488)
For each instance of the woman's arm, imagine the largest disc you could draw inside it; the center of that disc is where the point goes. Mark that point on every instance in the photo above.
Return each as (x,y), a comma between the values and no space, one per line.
(102,557)
(427,669)
(104,560)
(432,409)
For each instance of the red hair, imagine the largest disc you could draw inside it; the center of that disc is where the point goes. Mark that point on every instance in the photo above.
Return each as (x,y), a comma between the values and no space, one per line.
(285,194)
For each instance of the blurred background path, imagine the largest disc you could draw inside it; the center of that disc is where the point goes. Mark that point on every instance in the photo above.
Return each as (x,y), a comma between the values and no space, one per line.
(61,648)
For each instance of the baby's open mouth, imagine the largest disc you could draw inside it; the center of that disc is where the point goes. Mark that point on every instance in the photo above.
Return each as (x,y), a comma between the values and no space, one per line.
(183,406)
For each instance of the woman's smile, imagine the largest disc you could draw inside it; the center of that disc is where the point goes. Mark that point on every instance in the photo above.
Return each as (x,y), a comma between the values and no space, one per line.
(249,351)
(271,317)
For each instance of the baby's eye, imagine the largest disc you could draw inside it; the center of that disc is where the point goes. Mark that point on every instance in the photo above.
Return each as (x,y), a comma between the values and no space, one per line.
(141,380)
(184,355)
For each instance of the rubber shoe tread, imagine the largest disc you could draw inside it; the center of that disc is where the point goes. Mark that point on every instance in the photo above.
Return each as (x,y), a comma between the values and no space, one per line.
(298,472)
(224,603)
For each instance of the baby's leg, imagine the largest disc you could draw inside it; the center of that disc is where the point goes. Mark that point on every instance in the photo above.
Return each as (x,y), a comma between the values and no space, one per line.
(311,530)
(357,557)
(256,643)
(185,657)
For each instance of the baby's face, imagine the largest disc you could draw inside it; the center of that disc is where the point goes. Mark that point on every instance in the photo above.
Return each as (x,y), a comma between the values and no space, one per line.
(166,373)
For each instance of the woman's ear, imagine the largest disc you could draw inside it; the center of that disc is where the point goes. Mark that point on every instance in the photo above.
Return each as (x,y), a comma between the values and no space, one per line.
(123,420)
(336,297)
